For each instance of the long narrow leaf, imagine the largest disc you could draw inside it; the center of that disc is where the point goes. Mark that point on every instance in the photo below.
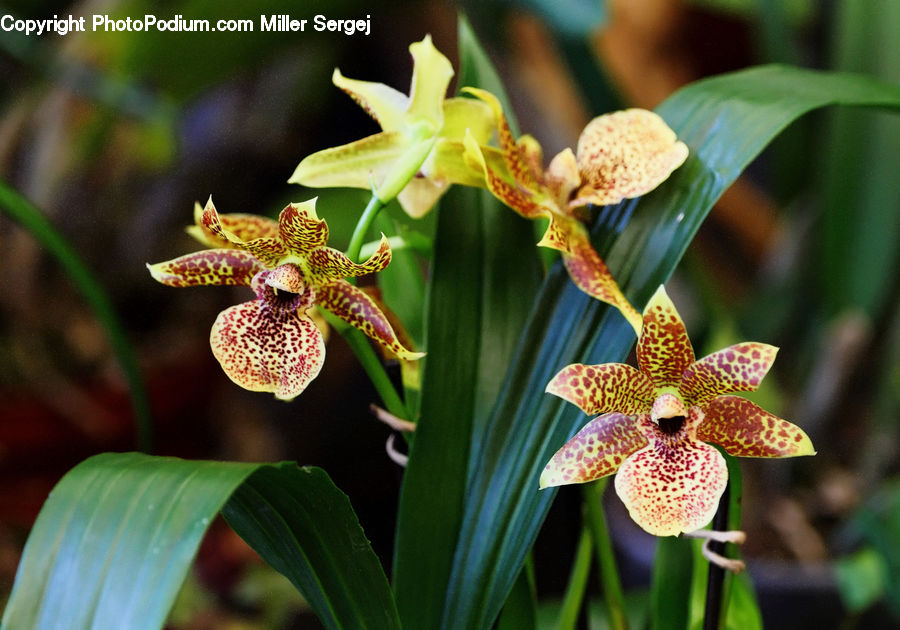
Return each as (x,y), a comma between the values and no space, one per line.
(23,212)
(484,278)
(726,121)
(116,537)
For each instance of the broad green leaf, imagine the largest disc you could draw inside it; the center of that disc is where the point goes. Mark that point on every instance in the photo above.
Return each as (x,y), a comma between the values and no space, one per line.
(726,121)
(30,218)
(483,281)
(115,539)
(304,526)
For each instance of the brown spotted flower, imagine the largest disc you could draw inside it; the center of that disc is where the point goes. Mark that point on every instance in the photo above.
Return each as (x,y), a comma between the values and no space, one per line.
(656,421)
(620,155)
(271,343)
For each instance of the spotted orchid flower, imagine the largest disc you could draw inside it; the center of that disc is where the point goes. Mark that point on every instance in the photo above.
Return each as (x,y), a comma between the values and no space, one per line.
(271,343)
(619,156)
(655,423)
(418,153)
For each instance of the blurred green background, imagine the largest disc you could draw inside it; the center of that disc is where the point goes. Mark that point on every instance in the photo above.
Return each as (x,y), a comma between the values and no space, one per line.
(115,135)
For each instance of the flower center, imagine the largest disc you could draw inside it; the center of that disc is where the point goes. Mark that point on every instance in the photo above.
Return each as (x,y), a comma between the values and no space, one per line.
(671,426)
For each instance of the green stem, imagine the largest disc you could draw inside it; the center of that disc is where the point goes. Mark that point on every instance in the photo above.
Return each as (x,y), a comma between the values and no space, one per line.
(362,227)
(719,581)
(371,363)
(609,573)
(26,214)
(578,577)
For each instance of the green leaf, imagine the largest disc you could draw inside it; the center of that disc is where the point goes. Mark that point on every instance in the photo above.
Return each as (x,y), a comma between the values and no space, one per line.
(483,281)
(726,121)
(115,539)
(311,535)
(30,218)
(670,595)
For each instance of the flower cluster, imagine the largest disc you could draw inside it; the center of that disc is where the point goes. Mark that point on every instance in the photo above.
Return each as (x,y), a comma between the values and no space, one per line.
(271,343)
(655,421)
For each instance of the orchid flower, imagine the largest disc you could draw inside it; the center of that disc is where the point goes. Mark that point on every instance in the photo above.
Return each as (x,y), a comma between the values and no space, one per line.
(655,423)
(271,343)
(418,153)
(620,155)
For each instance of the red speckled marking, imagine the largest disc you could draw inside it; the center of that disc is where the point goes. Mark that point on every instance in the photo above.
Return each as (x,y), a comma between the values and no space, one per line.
(595,451)
(591,275)
(738,368)
(262,349)
(360,311)
(268,250)
(300,229)
(327,264)
(207,267)
(744,429)
(664,350)
(604,388)
(672,485)
(625,154)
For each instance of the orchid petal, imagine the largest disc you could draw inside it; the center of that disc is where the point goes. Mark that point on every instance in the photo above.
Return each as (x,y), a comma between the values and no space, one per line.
(359,310)
(467,114)
(382,102)
(624,155)
(673,484)
(268,250)
(520,169)
(301,230)
(431,77)
(590,274)
(326,263)
(264,349)
(501,183)
(420,195)
(245,227)
(562,176)
(208,267)
(353,165)
(596,451)
(738,368)
(744,429)
(605,388)
(664,350)
(447,165)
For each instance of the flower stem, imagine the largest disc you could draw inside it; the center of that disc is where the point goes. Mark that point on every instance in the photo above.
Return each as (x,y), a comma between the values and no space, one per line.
(609,573)
(728,517)
(362,227)
(578,577)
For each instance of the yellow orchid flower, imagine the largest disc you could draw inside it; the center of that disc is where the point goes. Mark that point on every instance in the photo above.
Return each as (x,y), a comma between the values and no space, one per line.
(418,153)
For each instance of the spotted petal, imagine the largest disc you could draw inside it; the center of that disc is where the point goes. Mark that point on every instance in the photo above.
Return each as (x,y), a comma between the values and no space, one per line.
(591,275)
(360,311)
(208,267)
(245,226)
(382,102)
(264,349)
(267,249)
(326,263)
(744,429)
(625,154)
(664,350)
(673,484)
(604,388)
(738,368)
(596,451)
(301,230)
